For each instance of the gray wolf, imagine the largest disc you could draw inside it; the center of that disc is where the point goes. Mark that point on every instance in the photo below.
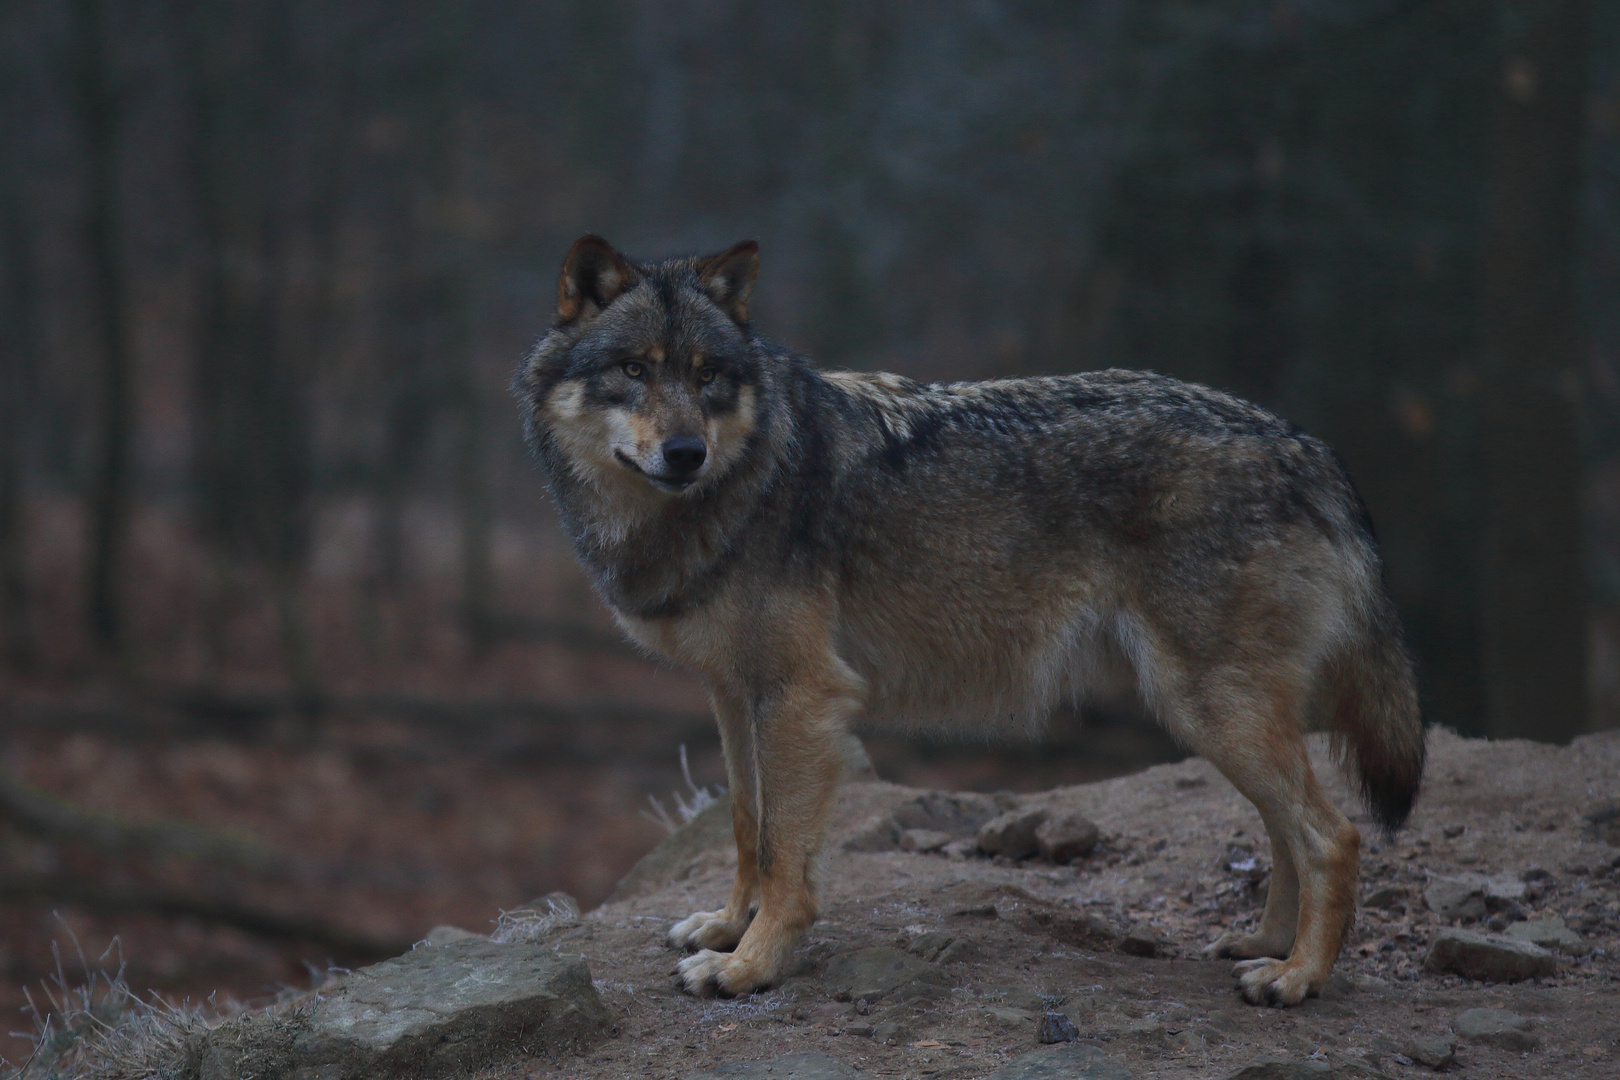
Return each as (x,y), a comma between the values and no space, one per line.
(825,547)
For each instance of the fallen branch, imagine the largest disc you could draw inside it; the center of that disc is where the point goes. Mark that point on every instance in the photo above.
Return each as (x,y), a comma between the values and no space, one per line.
(36,812)
(105,899)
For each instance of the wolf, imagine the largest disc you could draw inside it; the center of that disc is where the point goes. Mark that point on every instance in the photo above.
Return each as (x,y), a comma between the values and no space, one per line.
(828,547)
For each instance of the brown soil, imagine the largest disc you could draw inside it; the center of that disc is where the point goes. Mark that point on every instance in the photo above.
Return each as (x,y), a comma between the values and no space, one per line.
(1171,834)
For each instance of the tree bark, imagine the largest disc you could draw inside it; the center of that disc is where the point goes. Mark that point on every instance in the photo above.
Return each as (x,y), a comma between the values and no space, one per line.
(17,355)
(110,497)
(1533,600)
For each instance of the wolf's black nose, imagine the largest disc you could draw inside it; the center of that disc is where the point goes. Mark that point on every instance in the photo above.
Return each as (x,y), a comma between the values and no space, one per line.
(684,453)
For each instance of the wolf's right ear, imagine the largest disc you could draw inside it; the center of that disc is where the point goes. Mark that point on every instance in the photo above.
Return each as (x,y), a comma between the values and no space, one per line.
(593,276)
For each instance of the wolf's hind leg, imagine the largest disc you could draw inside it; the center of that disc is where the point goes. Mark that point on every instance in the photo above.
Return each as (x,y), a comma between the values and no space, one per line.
(1253,738)
(721,930)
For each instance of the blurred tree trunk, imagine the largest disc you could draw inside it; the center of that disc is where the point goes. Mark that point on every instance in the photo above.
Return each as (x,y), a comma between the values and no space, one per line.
(451,238)
(110,496)
(252,443)
(17,356)
(1533,602)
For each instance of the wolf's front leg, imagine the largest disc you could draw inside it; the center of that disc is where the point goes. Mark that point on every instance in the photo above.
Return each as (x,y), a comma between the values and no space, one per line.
(798,756)
(721,930)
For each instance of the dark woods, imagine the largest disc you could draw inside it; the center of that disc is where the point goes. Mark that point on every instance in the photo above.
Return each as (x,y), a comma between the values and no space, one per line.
(265,267)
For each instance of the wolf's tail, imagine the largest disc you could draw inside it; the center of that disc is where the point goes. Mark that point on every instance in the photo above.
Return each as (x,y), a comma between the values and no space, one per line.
(1377,729)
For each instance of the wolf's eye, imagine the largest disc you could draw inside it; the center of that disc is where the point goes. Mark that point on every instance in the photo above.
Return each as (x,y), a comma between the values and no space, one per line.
(634,370)
(706,375)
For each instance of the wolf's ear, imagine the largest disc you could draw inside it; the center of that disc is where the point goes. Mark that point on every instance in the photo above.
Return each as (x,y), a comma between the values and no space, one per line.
(593,276)
(729,277)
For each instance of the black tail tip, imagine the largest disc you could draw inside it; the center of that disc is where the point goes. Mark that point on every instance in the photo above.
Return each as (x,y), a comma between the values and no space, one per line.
(1391,801)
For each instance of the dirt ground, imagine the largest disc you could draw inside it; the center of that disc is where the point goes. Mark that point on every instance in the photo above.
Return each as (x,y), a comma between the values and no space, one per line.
(1177,840)
(389,826)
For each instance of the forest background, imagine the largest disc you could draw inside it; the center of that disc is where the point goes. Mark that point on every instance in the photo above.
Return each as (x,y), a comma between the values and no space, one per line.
(273,559)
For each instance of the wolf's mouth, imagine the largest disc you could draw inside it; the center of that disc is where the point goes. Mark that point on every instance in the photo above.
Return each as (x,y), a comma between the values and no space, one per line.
(671,484)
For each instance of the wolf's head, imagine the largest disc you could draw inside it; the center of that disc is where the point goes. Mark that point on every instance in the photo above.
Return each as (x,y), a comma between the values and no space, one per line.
(647,384)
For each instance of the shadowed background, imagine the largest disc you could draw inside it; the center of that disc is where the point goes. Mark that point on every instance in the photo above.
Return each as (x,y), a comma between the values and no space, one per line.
(295,661)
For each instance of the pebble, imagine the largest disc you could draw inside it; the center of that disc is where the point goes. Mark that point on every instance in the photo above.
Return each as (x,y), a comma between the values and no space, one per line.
(1495,1027)
(1550,933)
(1488,957)
(1471,896)
(1144,942)
(923,841)
(1054,1027)
(1388,898)
(930,945)
(1437,1053)
(1012,834)
(1067,837)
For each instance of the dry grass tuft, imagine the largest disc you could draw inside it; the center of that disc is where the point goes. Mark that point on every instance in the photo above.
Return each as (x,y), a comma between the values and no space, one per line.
(96,1028)
(687,807)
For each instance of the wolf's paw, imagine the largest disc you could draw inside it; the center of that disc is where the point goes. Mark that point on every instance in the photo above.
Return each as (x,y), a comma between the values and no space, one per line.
(707,930)
(717,974)
(1273,982)
(1249,947)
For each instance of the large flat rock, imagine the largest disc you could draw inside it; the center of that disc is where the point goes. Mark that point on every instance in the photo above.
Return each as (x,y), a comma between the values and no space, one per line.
(436,1011)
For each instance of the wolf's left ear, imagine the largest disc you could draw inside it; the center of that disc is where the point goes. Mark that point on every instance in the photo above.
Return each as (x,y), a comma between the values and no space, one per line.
(729,277)
(593,276)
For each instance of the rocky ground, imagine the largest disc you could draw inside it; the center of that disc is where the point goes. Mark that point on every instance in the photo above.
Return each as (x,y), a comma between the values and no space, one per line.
(941,961)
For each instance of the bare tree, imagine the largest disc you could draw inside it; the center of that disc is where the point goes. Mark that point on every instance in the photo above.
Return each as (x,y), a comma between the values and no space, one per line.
(110,497)
(1533,609)
(17,354)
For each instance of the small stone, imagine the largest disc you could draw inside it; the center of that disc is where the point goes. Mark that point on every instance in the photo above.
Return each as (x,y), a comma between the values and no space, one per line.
(1067,837)
(959,850)
(1495,1027)
(1503,894)
(1550,933)
(1388,898)
(1065,1061)
(929,945)
(1012,834)
(878,833)
(1436,1053)
(1604,823)
(790,1067)
(889,1032)
(1054,1027)
(445,934)
(1144,942)
(1461,897)
(923,841)
(959,951)
(1487,957)
(1534,874)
